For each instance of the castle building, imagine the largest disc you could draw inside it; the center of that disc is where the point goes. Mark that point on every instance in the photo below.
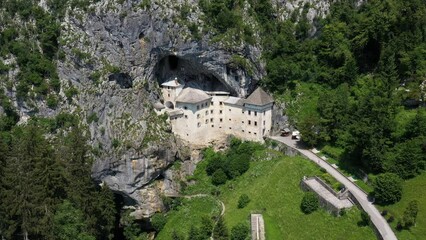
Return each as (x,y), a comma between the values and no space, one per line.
(201,117)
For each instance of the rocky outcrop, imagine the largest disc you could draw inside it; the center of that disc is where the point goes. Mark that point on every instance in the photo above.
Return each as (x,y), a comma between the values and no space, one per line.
(116,55)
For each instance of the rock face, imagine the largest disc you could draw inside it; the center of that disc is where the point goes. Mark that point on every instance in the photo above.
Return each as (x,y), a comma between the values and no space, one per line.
(116,56)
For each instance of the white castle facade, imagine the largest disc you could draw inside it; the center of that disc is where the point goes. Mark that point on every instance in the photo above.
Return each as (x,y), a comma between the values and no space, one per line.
(201,117)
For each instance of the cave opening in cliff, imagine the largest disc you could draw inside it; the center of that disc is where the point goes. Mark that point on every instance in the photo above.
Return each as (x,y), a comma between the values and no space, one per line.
(190,73)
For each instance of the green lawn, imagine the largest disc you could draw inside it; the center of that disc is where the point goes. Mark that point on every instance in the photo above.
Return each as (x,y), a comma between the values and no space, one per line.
(273,187)
(190,213)
(414,189)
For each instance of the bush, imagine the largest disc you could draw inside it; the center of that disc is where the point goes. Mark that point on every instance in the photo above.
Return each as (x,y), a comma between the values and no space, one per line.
(116,143)
(387,188)
(158,221)
(365,219)
(240,232)
(93,117)
(219,177)
(410,214)
(243,201)
(309,203)
(342,212)
(52,101)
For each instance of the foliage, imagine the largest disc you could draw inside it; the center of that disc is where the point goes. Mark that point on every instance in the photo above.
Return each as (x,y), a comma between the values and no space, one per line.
(310,203)
(68,223)
(365,219)
(387,188)
(410,214)
(219,177)
(232,163)
(220,231)
(158,221)
(346,85)
(240,232)
(243,201)
(41,175)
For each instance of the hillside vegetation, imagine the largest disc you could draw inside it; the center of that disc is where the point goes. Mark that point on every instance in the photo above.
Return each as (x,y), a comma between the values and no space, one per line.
(272,185)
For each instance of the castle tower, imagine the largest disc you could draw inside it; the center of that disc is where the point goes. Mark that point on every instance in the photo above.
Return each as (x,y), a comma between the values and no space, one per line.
(170,91)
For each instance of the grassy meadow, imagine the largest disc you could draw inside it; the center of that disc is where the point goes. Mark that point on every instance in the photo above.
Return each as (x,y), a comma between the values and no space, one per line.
(273,188)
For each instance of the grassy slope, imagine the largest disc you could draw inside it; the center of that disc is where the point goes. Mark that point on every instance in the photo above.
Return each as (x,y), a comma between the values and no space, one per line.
(273,187)
(191,212)
(414,189)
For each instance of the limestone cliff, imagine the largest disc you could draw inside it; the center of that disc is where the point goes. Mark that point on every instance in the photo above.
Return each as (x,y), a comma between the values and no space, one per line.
(115,57)
(112,58)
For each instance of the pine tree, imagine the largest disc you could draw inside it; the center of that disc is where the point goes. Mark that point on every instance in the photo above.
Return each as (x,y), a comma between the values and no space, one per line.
(220,231)
(23,190)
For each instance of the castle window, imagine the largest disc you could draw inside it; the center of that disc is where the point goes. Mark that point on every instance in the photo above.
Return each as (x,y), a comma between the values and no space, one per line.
(255,123)
(199,124)
(242,122)
(263,113)
(242,110)
(211,119)
(221,103)
(168,95)
(221,120)
(230,128)
(255,133)
(207,121)
(212,125)
(229,109)
(249,132)
(211,111)
(186,116)
(263,122)
(249,112)
(211,103)
(220,111)
(242,130)
(249,122)
(229,119)
(185,107)
(207,113)
(198,107)
(255,113)
(198,115)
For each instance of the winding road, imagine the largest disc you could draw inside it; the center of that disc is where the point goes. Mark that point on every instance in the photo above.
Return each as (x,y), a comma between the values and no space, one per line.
(376,218)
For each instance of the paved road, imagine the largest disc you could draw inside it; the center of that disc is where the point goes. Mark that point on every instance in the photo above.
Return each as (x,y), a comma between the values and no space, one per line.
(375,216)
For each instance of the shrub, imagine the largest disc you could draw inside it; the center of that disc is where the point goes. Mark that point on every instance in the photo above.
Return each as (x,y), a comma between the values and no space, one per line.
(243,201)
(342,212)
(93,117)
(309,203)
(219,177)
(410,214)
(158,221)
(52,101)
(240,232)
(115,143)
(387,188)
(365,219)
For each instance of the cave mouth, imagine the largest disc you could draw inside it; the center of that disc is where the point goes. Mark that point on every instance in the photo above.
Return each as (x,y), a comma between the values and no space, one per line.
(190,73)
